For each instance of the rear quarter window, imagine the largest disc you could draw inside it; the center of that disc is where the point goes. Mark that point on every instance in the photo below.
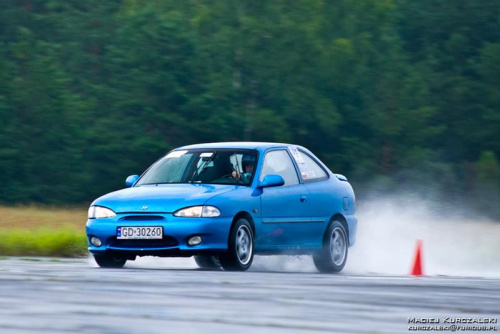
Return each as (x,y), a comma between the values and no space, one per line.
(310,170)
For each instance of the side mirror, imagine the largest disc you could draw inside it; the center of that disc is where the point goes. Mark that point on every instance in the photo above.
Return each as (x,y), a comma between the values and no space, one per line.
(272,180)
(129,182)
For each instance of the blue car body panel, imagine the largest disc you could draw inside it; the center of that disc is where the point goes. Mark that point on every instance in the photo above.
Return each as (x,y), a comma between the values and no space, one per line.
(285,218)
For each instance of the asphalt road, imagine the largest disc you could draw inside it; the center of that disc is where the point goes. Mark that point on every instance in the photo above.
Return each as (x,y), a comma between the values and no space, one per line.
(165,295)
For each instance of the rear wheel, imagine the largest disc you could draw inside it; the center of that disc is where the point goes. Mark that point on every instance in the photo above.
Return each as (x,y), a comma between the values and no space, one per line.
(110,260)
(239,255)
(207,262)
(333,256)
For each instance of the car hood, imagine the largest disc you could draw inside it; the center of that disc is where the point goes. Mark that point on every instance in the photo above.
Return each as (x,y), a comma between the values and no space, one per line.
(164,198)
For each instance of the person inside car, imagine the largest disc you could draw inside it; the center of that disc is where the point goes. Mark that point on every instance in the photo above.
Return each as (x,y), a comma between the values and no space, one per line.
(248,165)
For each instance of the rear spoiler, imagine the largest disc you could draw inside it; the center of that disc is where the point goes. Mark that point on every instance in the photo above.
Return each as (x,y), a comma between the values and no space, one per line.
(341,177)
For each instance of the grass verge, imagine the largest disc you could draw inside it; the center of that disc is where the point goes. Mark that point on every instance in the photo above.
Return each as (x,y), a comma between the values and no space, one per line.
(62,242)
(33,217)
(42,231)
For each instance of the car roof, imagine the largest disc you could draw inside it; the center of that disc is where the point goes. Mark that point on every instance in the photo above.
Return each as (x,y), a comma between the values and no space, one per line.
(235,145)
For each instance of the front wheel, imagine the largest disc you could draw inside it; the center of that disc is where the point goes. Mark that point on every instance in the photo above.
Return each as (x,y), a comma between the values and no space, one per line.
(207,262)
(333,256)
(110,261)
(239,255)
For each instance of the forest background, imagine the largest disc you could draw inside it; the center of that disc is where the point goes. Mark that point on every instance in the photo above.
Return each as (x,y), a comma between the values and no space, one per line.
(398,95)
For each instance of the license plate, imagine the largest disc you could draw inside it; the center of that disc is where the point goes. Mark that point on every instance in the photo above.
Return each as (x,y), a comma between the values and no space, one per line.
(139,232)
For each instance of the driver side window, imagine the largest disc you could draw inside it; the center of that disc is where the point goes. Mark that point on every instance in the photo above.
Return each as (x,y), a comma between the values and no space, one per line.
(279,162)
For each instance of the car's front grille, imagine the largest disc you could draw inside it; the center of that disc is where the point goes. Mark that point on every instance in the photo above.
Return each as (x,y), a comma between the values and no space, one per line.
(142,218)
(167,241)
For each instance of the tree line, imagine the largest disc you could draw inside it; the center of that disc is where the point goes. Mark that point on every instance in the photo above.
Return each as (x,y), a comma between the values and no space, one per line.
(391,93)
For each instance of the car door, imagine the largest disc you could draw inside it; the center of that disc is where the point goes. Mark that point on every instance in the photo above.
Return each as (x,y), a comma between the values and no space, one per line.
(320,197)
(284,208)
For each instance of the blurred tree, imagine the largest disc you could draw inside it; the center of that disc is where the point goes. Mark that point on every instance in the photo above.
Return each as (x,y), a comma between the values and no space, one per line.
(487,185)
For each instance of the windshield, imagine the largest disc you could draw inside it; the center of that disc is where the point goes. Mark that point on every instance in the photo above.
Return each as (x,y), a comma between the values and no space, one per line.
(209,166)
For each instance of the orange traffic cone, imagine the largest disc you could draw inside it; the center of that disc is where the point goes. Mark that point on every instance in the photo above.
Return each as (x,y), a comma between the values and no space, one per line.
(417,266)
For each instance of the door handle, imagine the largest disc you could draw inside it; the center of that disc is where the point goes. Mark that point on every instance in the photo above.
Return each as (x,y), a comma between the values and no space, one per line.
(303,198)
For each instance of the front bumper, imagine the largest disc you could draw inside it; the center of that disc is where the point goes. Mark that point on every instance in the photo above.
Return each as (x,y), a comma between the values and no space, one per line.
(176,233)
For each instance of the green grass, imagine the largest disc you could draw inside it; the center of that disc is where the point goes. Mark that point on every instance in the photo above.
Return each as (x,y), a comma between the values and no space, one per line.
(44,241)
(32,230)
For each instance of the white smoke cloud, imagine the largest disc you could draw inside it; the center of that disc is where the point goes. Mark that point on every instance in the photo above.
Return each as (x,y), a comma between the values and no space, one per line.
(390,227)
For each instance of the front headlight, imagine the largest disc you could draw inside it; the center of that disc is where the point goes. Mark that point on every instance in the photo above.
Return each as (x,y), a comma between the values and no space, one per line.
(100,212)
(198,211)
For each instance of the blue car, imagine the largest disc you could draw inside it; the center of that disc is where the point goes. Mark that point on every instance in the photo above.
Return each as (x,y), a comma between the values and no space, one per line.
(223,203)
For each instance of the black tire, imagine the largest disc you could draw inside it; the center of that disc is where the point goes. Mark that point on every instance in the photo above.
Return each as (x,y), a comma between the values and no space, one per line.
(239,255)
(110,261)
(207,262)
(333,256)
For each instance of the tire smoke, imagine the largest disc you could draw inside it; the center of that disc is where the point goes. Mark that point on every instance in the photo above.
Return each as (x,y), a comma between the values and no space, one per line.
(389,227)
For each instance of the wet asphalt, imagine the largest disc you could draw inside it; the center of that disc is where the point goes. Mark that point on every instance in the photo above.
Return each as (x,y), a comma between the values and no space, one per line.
(44,295)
